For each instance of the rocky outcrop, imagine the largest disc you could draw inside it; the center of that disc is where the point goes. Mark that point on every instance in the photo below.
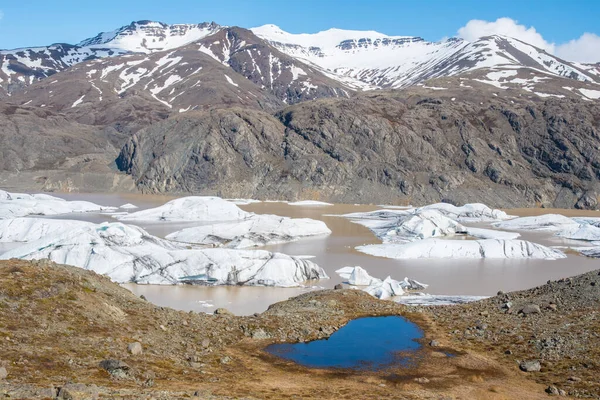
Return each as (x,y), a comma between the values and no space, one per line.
(413,146)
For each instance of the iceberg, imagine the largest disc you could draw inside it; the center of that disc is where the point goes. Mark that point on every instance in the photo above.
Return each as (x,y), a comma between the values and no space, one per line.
(396,226)
(14,205)
(585,232)
(30,229)
(356,276)
(243,202)
(382,289)
(423,299)
(546,222)
(129,254)
(475,212)
(128,206)
(310,203)
(485,248)
(257,230)
(385,289)
(192,208)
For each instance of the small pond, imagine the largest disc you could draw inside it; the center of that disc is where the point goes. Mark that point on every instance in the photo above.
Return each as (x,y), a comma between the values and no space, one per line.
(367,343)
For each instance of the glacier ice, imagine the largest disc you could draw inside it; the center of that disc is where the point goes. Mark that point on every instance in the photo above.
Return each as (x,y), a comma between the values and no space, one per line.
(257,230)
(129,254)
(192,208)
(13,205)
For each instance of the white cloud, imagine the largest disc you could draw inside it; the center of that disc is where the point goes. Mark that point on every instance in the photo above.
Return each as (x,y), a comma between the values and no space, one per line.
(584,49)
(477,28)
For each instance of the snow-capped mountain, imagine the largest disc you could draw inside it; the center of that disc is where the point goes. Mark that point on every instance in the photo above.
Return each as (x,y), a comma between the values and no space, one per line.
(384,61)
(291,67)
(150,36)
(22,67)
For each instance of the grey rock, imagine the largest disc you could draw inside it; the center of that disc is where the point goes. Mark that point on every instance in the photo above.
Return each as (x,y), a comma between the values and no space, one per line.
(135,348)
(531,309)
(116,368)
(205,343)
(225,360)
(339,286)
(260,334)
(3,373)
(372,148)
(78,391)
(222,311)
(552,391)
(434,343)
(530,366)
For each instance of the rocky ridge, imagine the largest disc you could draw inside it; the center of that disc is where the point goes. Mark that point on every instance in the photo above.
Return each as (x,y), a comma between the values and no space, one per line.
(70,330)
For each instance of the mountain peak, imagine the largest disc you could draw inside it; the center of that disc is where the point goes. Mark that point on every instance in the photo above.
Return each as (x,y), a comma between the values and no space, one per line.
(149,36)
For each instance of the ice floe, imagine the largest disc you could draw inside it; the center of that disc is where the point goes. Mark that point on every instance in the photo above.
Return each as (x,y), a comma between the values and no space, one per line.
(382,289)
(423,299)
(243,202)
(128,206)
(485,248)
(310,203)
(475,212)
(129,254)
(578,228)
(30,229)
(396,226)
(546,222)
(193,208)
(257,230)
(13,205)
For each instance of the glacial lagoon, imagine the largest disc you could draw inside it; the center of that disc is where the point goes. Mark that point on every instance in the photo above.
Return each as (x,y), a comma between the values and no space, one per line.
(458,277)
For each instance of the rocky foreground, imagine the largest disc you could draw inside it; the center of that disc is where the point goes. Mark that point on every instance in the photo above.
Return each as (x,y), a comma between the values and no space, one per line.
(70,333)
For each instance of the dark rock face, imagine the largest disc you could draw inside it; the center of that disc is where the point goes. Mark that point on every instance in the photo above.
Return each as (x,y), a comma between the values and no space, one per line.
(412,146)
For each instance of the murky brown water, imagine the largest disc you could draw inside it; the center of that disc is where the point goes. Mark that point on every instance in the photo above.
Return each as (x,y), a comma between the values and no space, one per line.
(450,277)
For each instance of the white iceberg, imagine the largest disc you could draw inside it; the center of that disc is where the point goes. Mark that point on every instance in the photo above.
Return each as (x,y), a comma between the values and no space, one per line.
(356,276)
(129,206)
(585,232)
(475,212)
(129,254)
(482,233)
(14,205)
(243,202)
(395,226)
(423,299)
(193,208)
(310,203)
(257,230)
(485,248)
(385,289)
(382,289)
(546,222)
(30,229)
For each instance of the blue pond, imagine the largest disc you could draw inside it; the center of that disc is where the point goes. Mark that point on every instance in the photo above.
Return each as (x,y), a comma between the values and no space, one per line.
(366,343)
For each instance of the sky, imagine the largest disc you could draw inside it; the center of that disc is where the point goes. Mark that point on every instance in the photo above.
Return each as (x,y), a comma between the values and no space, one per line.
(568,29)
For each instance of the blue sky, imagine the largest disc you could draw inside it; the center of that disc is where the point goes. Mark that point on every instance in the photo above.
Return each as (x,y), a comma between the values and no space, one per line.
(35,22)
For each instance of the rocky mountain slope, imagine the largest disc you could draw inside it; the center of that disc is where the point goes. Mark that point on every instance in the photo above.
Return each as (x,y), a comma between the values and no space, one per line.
(267,114)
(413,146)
